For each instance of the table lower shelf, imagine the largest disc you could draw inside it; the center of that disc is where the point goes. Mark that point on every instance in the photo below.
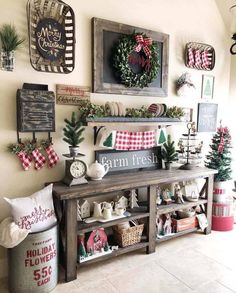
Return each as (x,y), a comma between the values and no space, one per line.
(178,234)
(120,251)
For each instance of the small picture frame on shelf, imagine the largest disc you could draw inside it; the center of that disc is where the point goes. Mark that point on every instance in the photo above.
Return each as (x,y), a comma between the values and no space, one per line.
(188,115)
(207,86)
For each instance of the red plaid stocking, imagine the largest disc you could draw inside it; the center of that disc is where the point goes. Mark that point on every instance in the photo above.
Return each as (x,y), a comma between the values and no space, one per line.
(25,160)
(52,156)
(39,159)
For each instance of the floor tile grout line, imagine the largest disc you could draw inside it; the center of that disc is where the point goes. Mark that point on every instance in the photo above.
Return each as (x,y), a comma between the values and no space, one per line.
(174,276)
(113,286)
(225,286)
(210,258)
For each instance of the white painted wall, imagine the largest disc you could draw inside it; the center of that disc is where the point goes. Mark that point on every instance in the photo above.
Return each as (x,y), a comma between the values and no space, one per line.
(183,20)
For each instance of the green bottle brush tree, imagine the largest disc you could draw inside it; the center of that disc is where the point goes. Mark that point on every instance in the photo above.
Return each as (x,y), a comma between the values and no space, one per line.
(168,152)
(73,133)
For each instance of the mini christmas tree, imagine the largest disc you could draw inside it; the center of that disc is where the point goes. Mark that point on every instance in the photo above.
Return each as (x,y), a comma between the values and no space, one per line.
(108,141)
(168,151)
(82,250)
(133,201)
(73,131)
(219,157)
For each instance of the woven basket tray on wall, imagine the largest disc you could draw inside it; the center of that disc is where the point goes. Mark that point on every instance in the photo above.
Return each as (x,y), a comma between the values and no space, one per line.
(63,16)
(129,236)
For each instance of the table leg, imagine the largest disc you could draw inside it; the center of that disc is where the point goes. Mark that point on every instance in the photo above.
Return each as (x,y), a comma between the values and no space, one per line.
(151,223)
(209,196)
(71,240)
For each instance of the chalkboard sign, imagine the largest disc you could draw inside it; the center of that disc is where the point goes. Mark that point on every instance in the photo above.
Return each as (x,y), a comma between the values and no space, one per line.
(50,39)
(35,110)
(207,117)
(105,36)
(130,160)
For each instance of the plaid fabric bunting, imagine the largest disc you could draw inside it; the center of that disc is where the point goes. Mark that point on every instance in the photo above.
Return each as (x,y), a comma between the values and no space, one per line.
(136,141)
(148,139)
(52,156)
(39,159)
(25,160)
(122,140)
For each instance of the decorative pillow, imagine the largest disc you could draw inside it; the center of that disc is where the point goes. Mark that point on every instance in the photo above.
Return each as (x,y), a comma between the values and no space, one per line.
(36,212)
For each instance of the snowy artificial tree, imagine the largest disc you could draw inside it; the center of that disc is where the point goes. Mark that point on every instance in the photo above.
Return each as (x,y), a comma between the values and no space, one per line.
(219,157)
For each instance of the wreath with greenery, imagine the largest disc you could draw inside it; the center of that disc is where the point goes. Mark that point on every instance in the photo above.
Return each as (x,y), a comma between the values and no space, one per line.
(121,56)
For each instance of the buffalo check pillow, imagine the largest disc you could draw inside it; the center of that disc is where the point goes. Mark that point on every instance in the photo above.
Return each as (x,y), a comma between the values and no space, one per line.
(36,212)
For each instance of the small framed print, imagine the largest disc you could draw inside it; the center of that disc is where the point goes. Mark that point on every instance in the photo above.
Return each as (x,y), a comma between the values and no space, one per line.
(207,86)
(207,117)
(188,115)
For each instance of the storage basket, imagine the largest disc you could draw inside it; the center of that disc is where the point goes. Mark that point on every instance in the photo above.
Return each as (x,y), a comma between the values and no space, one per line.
(129,236)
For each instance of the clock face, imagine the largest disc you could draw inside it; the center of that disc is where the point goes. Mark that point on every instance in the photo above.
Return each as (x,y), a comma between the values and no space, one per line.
(78,169)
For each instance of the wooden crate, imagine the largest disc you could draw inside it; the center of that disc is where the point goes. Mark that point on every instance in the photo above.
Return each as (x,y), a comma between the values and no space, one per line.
(184,224)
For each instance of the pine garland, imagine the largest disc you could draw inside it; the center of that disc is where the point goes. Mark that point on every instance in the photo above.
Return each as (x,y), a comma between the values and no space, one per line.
(219,158)
(73,131)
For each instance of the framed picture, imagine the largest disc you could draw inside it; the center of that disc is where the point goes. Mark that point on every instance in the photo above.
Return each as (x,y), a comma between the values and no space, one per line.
(207,86)
(207,117)
(188,115)
(106,36)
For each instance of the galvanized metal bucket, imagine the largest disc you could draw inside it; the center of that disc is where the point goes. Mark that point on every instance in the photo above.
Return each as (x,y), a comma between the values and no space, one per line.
(33,264)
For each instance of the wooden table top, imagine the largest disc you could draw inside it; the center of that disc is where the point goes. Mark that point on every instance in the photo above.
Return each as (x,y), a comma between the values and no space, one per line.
(124,181)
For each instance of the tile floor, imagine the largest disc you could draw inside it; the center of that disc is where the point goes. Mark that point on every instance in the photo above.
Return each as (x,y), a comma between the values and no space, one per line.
(192,263)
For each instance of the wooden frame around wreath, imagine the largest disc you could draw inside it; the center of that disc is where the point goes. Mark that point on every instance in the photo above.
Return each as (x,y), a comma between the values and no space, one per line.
(57,53)
(104,33)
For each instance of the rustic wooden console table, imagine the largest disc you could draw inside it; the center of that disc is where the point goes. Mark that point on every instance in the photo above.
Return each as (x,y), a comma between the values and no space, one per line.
(65,199)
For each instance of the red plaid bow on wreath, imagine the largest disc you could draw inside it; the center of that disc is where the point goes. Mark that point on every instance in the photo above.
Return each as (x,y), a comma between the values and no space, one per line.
(143,43)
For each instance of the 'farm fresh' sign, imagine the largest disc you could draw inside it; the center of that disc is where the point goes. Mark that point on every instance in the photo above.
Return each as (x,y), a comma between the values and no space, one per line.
(130,160)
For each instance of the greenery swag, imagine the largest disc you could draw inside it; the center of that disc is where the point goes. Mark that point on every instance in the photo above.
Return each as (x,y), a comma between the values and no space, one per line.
(128,44)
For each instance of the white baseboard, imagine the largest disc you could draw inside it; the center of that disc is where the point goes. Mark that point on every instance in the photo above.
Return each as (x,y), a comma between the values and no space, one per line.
(3,268)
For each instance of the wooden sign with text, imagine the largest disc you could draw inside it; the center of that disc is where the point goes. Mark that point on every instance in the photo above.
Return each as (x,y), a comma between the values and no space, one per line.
(119,161)
(71,94)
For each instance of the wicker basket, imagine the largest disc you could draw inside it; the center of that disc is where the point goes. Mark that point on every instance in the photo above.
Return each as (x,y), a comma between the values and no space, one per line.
(129,236)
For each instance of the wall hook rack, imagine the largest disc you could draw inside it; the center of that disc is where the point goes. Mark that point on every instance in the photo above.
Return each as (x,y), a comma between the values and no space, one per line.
(34,139)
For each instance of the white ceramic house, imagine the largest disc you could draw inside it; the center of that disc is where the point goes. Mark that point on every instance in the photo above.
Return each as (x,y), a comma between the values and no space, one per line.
(85,209)
(122,202)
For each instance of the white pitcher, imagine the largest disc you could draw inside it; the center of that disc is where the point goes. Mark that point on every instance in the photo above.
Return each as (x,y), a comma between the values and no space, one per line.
(107,213)
(108,205)
(97,210)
